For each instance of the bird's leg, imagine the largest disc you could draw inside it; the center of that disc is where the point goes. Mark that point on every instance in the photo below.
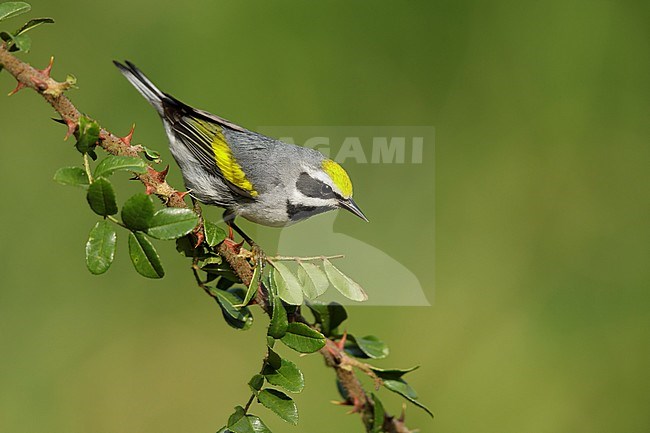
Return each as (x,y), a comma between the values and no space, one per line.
(199,230)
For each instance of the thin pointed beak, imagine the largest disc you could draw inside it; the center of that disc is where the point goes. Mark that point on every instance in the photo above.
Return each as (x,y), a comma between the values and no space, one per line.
(350,205)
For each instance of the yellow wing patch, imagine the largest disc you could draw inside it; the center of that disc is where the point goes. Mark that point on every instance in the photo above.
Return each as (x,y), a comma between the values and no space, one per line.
(224,158)
(339,176)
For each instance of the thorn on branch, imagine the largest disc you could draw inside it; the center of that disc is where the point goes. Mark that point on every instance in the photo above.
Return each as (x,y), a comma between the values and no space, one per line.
(181,195)
(127,139)
(402,416)
(341,343)
(19,86)
(149,188)
(158,176)
(357,405)
(72,127)
(48,70)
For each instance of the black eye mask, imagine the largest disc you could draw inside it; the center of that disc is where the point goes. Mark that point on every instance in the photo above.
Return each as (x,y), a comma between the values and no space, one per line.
(313,187)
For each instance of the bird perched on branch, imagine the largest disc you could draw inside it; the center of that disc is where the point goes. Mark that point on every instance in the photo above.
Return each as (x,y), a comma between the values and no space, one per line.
(251,175)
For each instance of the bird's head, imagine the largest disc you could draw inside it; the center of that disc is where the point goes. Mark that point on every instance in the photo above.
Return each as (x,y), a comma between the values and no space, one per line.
(321,187)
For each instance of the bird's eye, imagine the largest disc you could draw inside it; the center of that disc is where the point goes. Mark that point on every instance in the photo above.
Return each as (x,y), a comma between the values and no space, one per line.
(326,189)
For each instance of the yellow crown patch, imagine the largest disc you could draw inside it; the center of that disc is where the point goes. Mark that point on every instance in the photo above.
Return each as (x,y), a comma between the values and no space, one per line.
(339,176)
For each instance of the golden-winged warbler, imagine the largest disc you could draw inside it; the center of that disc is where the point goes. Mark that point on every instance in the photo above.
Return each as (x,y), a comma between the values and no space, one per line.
(251,175)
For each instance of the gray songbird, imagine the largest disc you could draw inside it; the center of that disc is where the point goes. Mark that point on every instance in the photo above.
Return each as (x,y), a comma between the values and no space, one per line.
(250,175)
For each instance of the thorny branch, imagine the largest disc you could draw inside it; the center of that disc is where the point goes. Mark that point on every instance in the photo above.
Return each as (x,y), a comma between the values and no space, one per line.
(238,258)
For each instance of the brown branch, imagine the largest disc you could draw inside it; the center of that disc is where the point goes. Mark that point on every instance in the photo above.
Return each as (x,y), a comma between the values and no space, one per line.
(238,259)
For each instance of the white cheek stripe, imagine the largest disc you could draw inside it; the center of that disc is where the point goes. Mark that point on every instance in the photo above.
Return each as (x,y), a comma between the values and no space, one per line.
(299,198)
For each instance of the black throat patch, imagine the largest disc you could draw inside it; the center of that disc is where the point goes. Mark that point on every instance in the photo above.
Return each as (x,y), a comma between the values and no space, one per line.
(298,212)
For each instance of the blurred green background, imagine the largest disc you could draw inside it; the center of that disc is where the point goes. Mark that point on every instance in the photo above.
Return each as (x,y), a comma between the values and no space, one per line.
(539,222)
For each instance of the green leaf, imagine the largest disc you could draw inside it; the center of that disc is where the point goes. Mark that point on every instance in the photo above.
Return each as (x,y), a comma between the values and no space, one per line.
(302,338)
(72,176)
(101,197)
(236,416)
(172,223)
(151,155)
(100,248)
(256,382)
(144,257)
(279,321)
(12,9)
(313,280)
(343,283)
(32,24)
(329,316)
(112,163)
(185,246)
(392,373)
(252,287)
(402,388)
(237,317)
(87,136)
(239,422)
(283,373)
(378,415)
(289,288)
(137,212)
(23,43)
(280,403)
(214,234)
(370,347)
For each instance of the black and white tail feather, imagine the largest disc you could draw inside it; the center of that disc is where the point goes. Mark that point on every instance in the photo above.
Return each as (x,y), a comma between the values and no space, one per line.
(144,85)
(163,102)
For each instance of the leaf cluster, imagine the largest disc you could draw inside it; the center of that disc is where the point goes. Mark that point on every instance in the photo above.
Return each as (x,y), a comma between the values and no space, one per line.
(138,213)
(309,281)
(18,40)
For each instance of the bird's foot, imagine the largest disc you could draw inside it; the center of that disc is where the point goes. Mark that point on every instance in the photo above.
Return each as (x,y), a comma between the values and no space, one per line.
(199,230)
(259,257)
